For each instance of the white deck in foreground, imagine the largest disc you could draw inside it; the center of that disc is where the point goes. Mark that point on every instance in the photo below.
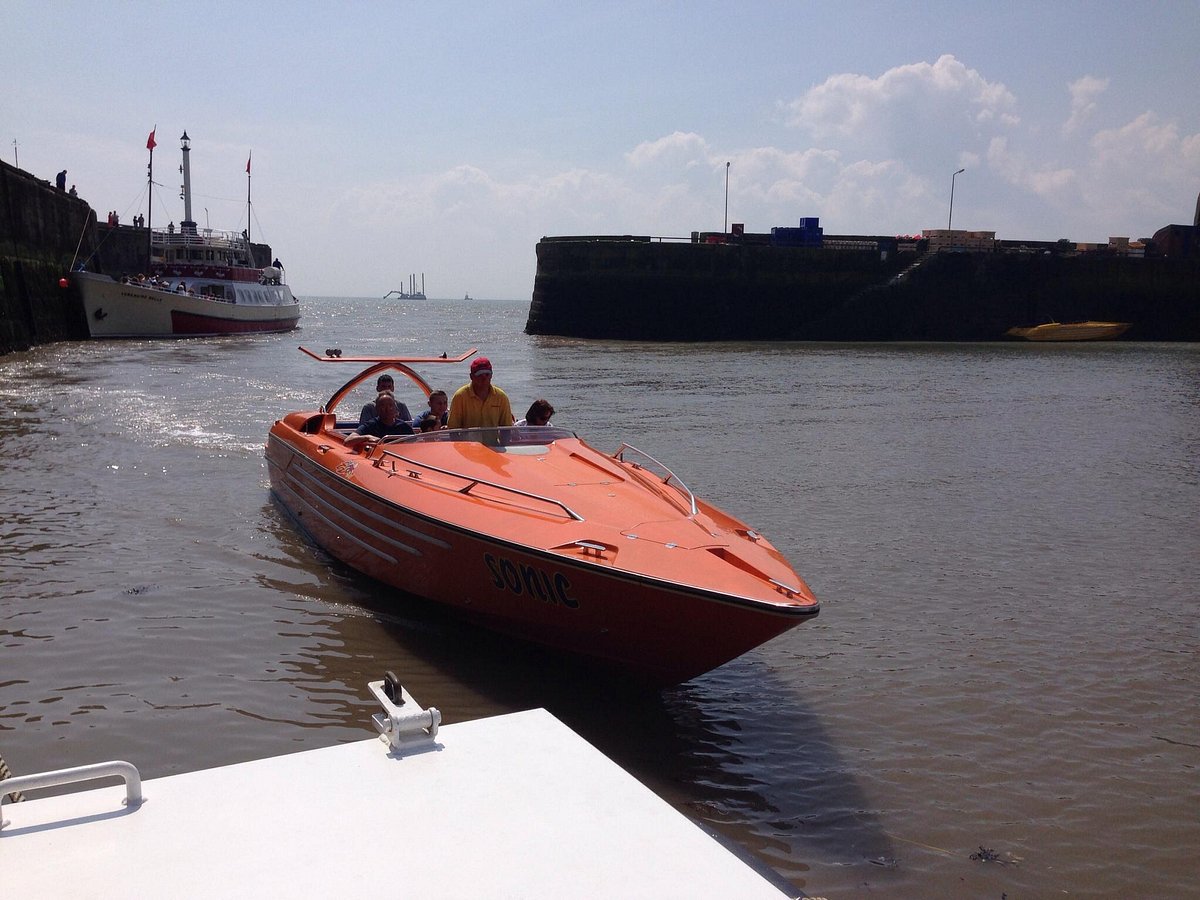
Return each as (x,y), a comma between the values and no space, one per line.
(512,806)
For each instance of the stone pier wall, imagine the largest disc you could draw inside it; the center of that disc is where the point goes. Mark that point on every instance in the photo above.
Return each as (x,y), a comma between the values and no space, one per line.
(41,231)
(635,289)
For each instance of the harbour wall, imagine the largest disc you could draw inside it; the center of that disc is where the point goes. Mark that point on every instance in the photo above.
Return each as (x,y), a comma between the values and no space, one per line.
(41,229)
(637,289)
(44,234)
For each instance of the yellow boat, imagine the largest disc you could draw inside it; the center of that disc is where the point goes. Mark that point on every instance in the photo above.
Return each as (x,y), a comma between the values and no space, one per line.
(1071,331)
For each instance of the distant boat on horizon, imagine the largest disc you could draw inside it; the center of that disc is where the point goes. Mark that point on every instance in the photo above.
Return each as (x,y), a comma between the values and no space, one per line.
(467,296)
(412,293)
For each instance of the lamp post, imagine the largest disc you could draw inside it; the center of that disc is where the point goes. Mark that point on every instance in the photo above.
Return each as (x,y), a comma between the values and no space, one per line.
(727,198)
(950,218)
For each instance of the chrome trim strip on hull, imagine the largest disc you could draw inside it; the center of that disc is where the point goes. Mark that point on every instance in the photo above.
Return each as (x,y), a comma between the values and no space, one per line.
(315,484)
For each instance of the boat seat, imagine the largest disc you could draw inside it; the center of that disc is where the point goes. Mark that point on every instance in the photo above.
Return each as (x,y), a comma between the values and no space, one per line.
(314,424)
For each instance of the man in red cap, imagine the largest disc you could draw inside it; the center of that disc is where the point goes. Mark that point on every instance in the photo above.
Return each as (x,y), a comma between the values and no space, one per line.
(479,404)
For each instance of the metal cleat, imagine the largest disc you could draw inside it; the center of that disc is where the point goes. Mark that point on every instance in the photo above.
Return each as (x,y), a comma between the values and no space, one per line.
(403,723)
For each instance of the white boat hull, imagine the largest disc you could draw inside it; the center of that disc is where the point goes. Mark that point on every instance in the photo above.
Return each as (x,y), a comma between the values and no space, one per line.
(117,310)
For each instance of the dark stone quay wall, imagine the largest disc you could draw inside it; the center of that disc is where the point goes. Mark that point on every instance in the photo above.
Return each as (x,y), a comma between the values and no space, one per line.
(41,228)
(638,289)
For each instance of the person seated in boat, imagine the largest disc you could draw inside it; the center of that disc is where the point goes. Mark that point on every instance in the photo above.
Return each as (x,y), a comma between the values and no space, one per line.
(181,288)
(383,383)
(386,423)
(435,417)
(539,413)
(479,403)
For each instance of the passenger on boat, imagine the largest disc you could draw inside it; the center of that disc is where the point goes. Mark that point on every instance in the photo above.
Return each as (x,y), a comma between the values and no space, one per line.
(435,417)
(386,424)
(480,404)
(383,383)
(539,413)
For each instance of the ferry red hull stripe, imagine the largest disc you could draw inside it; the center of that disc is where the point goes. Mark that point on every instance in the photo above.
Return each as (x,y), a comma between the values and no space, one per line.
(195,325)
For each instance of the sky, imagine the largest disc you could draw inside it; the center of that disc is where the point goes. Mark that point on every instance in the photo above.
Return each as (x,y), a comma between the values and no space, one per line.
(446,139)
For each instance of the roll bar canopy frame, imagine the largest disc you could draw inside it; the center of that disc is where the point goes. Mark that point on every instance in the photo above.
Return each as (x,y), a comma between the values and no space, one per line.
(377,365)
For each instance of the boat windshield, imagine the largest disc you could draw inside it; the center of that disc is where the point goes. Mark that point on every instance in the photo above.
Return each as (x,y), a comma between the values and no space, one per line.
(516,436)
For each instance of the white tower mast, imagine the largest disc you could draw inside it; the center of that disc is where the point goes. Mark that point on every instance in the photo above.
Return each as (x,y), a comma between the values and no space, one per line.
(187,226)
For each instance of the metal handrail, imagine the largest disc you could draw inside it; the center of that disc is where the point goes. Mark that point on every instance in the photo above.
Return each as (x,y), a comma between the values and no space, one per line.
(127,771)
(478,481)
(671,476)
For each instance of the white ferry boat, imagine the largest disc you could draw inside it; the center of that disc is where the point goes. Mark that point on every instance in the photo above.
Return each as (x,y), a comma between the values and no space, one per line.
(197,282)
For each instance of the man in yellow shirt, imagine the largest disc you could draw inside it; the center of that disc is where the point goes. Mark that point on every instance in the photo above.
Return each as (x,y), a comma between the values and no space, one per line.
(479,404)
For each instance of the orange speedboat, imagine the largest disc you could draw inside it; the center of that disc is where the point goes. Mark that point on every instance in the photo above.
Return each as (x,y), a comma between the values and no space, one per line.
(533,533)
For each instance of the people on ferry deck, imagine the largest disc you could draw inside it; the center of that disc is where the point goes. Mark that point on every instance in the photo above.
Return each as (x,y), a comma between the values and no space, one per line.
(435,417)
(386,423)
(479,403)
(383,383)
(539,413)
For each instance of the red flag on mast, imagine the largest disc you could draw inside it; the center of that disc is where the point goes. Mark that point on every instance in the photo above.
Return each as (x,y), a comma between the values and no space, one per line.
(150,143)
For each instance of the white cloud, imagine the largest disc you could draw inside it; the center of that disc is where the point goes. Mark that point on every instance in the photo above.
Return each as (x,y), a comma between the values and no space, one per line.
(902,107)
(1140,142)
(679,146)
(1084,92)
(1020,171)
(1145,165)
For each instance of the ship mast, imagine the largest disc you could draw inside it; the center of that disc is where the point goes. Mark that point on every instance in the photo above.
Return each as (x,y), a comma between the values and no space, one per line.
(187,226)
(150,145)
(249,252)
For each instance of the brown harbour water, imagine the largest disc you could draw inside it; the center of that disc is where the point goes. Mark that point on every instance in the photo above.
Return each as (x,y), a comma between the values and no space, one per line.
(1005,538)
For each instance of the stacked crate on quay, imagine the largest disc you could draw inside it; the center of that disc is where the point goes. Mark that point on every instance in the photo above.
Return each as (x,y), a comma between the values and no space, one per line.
(809,234)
